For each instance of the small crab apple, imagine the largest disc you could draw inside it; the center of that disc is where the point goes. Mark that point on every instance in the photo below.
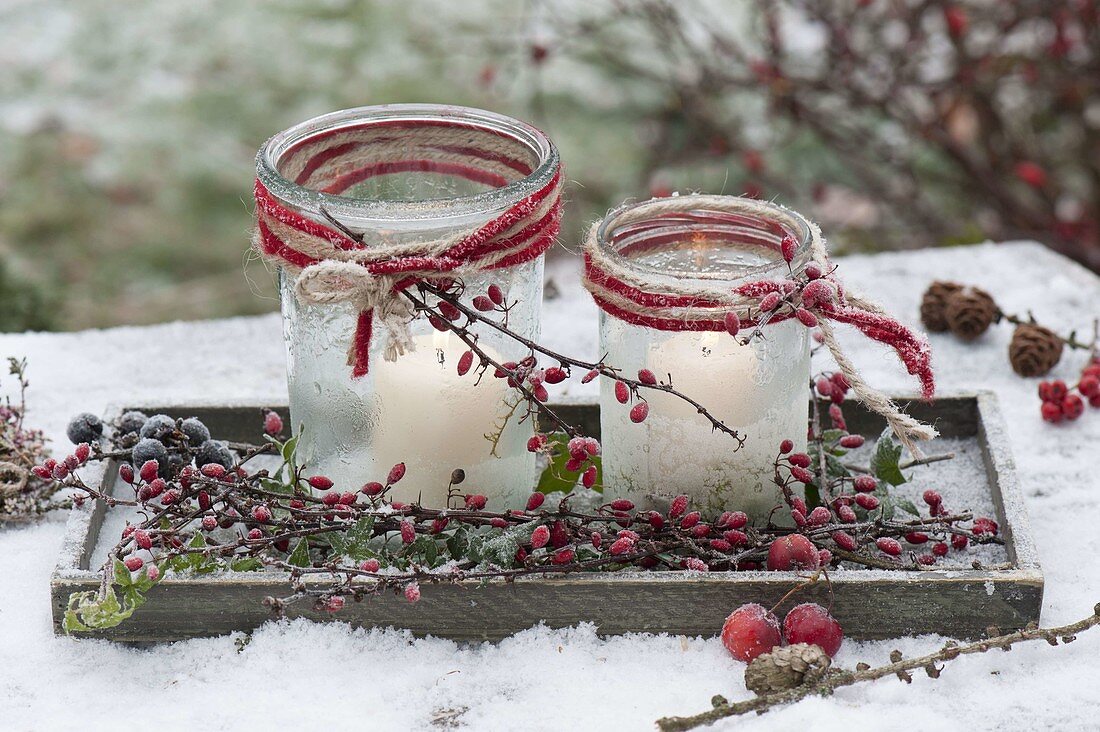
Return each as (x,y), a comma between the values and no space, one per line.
(811,623)
(793,551)
(749,631)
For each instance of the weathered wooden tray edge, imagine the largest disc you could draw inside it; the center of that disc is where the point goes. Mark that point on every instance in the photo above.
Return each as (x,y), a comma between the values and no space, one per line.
(963,604)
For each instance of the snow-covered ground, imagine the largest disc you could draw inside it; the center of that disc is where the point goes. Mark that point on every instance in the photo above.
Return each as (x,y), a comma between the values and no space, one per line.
(297,675)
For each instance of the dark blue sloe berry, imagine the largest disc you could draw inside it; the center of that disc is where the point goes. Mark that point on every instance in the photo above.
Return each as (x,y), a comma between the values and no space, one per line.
(214,451)
(130,422)
(84,428)
(150,449)
(158,427)
(196,431)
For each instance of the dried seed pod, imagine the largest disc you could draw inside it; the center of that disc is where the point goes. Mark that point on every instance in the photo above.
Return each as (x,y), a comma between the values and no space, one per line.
(786,667)
(969,312)
(933,306)
(1034,350)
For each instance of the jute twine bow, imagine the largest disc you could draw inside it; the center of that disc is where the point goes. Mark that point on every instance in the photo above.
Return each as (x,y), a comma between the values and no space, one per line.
(332,266)
(636,296)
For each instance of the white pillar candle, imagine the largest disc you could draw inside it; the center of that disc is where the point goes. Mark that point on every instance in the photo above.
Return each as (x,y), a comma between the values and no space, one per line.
(434,421)
(759,389)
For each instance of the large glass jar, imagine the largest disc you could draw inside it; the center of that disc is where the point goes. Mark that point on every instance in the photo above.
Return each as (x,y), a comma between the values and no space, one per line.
(759,388)
(420,187)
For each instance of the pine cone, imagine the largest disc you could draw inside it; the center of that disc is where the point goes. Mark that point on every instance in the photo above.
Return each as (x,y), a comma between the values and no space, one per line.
(1034,350)
(969,312)
(786,667)
(934,304)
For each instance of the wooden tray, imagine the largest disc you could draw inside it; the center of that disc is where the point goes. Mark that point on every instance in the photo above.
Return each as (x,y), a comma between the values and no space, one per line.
(958,602)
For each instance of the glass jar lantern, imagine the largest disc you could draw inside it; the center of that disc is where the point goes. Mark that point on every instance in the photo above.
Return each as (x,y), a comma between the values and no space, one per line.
(759,388)
(408,174)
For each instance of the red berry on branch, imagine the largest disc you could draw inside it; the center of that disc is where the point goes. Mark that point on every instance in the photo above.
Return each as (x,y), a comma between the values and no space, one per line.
(134,563)
(622,504)
(732,323)
(125,471)
(449,311)
(785,446)
(770,302)
(370,565)
(805,317)
(656,520)
(1031,173)
(819,516)
(889,546)
(916,537)
(535,500)
(412,592)
(798,517)
(498,523)
(678,506)
(720,545)
(1051,412)
(496,294)
(939,549)
(261,514)
(750,631)
(465,362)
(700,531)
(959,542)
(1089,386)
(255,534)
(1073,406)
(932,498)
(563,556)
(639,412)
(811,623)
(957,21)
(690,520)
(209,523)
(813,271)
(397,472)
(694,564)
(793,551)
(733,520)
(788,247)
(408,532)
(1058,390)
(647,377)
(589,478)
(926,559)
(540,537)
(555,375)
(149,470)
(590,375)
(83,452)
(984,525)
(483,303)
(592,446)
(273,423)
(851,442)
(800,459)
(846,514)
(620,546)
(802,475)
(622,392)
(142,539)
(320,482)
(476,502)
(372,489)
(736,537)
(865,484)
(844,540)
(867,501)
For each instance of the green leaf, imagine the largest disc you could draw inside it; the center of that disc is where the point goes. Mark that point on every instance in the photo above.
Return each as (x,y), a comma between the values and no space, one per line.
(884,460)
(248,564)
(289,448)
(300,556)
(122,575)
(459,543)
(426,548)
(358,537)
(907,506)
(555,477)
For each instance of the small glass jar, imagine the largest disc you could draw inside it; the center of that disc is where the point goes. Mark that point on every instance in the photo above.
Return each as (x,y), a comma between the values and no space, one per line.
(759,388)
(416,409)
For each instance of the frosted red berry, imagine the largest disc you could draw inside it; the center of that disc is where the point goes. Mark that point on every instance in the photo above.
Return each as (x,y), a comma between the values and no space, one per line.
(372,489)
(805,317)
(540,537)
(959,542)
(639,412)
(495,294)
(623,545)
(932,498)
(678,506)
(134,563)
(125,471)
(867,501)
(149,470)
(588,479)
(408,532)
(562,556)
(800,459)
(397,472)
(370,565)
(320,482)
(844,540)
(476,502)
(811,623)
(209,523)
(622,504)
(273,423)
(622,392)
(647,377)
(554,375)
(785,446)
(916,537)
(412,592)
(732,323)
(888,546)
(846,514)
(535,500)
(865,484)
(690,520)
(790,552)
(939,549)
(851,442)
(819,516)
(590,376)
(750,631)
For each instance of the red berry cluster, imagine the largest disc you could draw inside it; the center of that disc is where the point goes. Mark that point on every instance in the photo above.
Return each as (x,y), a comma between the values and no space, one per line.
(1062,403)
(751,630)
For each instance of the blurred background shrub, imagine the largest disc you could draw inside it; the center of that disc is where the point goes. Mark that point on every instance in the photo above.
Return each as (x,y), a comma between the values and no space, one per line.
(128,128)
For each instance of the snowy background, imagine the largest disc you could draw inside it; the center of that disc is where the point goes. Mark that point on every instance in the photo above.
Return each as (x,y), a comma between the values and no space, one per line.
(297,675)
